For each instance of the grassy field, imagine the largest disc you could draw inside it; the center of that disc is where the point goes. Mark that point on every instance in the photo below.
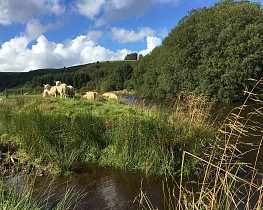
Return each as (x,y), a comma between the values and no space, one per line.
(53,134)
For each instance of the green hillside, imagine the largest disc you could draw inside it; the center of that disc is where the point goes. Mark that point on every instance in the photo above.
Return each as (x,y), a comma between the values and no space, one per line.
(74,74)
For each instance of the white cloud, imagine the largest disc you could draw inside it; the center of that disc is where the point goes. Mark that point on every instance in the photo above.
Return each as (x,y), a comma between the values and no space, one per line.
(18,11)
(89,8)
(15,55)
(152,42)
(125,36)
(34,28)
(104,11)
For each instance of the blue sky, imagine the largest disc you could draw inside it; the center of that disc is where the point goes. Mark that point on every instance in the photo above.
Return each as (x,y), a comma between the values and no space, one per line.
(56,33)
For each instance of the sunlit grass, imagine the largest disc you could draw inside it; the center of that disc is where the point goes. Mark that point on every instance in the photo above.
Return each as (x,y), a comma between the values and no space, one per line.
(227,180)
(56,133)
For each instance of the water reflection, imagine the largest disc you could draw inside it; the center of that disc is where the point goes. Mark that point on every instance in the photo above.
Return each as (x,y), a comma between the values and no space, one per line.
(105,188)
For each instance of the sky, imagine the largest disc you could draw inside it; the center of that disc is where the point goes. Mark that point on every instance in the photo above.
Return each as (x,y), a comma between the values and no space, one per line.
(37,34)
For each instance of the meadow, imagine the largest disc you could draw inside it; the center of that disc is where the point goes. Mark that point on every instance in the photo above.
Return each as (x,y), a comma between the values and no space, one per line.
(54,134)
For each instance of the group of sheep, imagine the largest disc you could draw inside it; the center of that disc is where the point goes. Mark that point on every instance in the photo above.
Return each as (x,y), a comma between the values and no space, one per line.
(90,95)
(60,88)
(65,90)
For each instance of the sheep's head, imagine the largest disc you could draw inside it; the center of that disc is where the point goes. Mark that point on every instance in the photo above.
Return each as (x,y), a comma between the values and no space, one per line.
(47,87)
(58,83)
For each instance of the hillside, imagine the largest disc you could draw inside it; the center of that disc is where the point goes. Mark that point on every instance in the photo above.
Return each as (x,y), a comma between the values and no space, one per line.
(18,79)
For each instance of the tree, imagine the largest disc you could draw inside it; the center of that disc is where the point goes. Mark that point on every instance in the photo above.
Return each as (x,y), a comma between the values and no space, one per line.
(212,51)
(131,56)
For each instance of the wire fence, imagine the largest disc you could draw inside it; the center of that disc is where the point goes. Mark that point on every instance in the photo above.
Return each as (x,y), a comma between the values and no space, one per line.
(16,92)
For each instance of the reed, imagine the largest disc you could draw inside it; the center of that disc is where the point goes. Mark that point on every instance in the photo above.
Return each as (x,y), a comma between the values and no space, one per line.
(17,193)
(227,181)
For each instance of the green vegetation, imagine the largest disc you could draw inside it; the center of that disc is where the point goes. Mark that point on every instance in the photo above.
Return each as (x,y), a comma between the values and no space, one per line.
(131,56)
(117,79)
(212,52)
(17,196)
(54,134)
(230,180)
(78,76)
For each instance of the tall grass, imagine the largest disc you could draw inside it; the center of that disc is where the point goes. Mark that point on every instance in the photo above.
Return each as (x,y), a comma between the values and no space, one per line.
(227,181)
(18,194)
(55,134)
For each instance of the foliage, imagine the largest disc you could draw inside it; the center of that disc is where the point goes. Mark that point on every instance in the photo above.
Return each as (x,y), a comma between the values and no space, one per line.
(17,194)
(78,76)
(77,80)
(213,52)
(131,56)
(115,79)
(232,167)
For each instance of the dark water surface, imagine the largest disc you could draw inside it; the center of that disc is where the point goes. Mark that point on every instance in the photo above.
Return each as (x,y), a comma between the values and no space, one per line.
(104,188)
(108,188)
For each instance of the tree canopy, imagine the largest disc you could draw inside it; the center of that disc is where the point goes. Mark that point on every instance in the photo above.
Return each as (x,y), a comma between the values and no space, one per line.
(212,51)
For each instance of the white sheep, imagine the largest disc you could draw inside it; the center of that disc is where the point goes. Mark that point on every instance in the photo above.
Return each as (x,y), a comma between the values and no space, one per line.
(110,95)
(47,87)
(45,93)
(50,90)
(90,95)
(58,83)
(62,89)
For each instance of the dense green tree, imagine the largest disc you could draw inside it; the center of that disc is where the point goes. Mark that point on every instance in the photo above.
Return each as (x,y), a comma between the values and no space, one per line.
(212,51)
(131,56)
(118,76)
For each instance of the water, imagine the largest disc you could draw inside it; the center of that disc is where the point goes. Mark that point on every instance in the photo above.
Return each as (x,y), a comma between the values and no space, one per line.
(105,188)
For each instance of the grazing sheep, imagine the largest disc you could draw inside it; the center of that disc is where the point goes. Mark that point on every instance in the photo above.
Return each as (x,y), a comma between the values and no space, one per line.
(47,87)
(71,91)
(52,91)
(45,93)
(58,83)
(90,95)
(110,95)
(62,89)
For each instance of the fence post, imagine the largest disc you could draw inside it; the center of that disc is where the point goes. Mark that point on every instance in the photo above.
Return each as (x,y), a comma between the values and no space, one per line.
(6,93)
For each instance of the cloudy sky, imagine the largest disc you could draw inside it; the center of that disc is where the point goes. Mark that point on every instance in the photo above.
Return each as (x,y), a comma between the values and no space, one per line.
(56,33)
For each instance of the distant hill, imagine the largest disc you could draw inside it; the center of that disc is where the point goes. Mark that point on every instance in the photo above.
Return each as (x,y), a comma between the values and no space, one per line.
(87,71)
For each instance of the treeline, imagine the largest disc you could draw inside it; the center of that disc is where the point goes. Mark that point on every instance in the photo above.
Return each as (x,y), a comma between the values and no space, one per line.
(78,76)
(77,80)
(101,78)
(213,52)
(116,79)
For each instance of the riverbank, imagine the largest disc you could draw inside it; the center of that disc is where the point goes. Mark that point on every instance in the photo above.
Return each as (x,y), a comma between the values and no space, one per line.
(54,134)
(217,163)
